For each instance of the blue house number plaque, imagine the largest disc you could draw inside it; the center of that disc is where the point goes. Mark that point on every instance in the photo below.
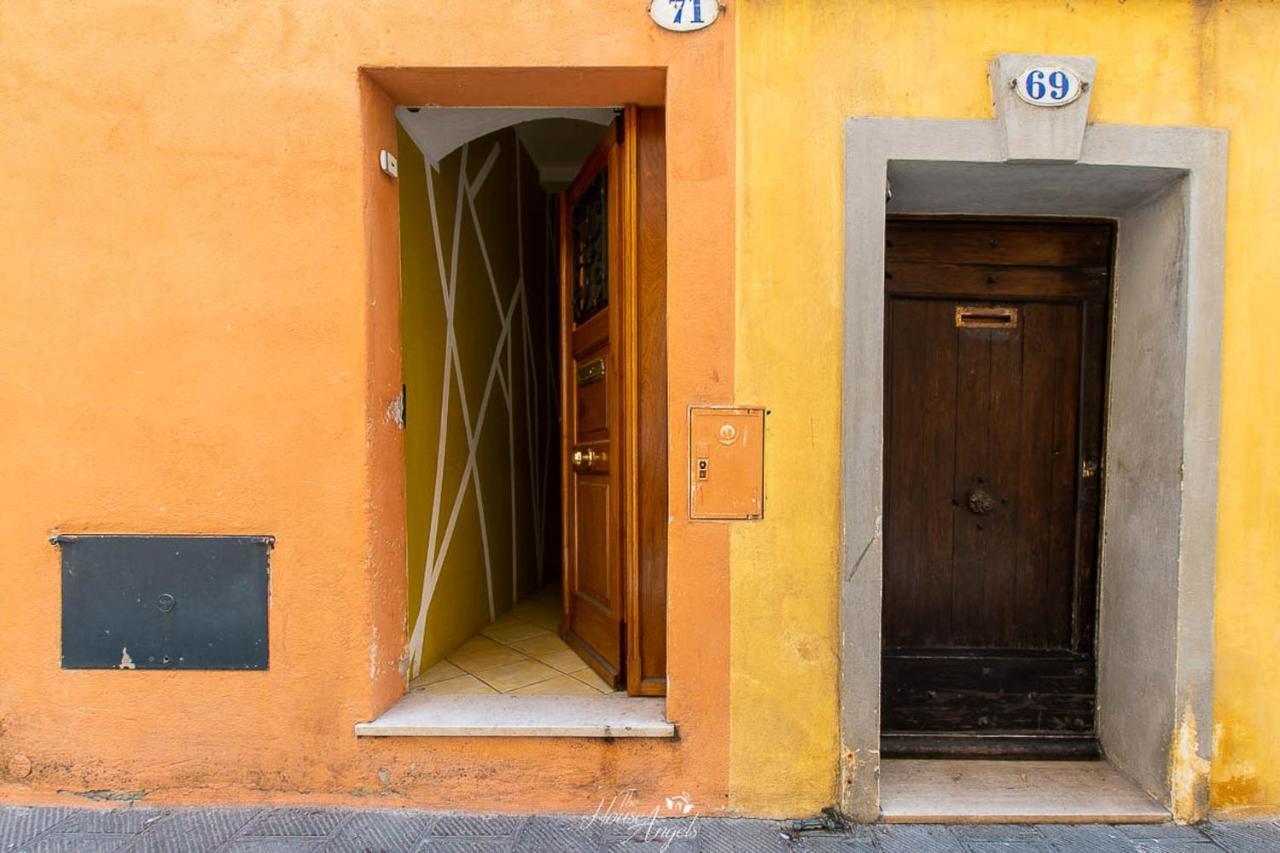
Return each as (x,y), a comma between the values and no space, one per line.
(684,16)
(1048,86)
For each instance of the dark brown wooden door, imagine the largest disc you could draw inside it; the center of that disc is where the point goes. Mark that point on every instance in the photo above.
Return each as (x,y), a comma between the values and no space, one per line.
(594,266)
(995,352)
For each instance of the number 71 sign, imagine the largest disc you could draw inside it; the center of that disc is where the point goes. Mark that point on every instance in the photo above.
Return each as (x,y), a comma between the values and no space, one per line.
(683,16)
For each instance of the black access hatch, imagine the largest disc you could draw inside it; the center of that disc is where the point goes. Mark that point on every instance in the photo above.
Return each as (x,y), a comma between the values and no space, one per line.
(164,602)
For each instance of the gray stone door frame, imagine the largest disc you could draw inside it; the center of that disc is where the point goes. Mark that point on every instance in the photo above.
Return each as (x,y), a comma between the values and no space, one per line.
(1166,188)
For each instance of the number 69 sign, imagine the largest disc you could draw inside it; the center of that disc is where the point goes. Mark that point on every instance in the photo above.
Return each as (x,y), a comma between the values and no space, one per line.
(1048,86)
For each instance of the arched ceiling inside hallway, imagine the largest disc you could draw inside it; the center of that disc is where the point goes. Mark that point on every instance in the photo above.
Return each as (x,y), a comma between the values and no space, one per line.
(559,140)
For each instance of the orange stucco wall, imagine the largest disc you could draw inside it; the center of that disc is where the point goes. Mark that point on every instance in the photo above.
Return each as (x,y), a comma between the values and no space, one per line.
(201,335)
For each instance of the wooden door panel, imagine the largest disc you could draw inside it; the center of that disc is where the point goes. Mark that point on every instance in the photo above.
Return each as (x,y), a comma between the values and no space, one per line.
(971,605)
(990,525)
(920,451)
(951,692)
(1004,243)
(1000,560)
(594,273)
(1065,467)
(597,639)
(593,575)
(614,404)
(974,413)
(647,596)
(990,281)
(1094,327)
(591,414)
(1047,462)
(1035,481)
(984,596)
(592,391)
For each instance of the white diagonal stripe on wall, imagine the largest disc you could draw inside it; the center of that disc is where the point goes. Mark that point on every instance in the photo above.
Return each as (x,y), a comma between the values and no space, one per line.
(504,373)
(475,220)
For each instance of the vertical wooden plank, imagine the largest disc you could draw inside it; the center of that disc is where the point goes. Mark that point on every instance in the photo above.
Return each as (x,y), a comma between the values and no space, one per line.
(1091,453)
(647,643)
(1064,462)
(988,428)
(1039,345)
(919,469)
(969,604)
(1046,577)
(1004,410)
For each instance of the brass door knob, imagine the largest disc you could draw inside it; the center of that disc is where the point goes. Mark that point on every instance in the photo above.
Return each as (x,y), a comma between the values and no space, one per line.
(980,502)
(586,458)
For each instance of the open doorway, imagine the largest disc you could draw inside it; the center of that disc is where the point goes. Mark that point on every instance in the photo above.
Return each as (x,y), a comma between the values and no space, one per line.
(533,320)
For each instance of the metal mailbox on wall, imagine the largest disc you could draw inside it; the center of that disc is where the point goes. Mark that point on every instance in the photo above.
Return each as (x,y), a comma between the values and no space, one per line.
(164,602)
(726,463)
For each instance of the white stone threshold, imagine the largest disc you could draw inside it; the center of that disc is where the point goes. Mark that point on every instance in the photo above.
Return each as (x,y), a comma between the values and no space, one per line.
(427,715)
(1011,791)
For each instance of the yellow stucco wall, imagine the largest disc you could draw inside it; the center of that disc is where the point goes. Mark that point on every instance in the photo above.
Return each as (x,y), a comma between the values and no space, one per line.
(499,216)
(803,68)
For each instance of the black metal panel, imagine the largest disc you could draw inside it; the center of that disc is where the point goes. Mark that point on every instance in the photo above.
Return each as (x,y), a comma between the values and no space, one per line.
(164,602)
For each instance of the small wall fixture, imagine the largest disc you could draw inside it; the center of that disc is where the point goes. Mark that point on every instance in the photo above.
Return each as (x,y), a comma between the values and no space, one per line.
(726,462)
(387,162)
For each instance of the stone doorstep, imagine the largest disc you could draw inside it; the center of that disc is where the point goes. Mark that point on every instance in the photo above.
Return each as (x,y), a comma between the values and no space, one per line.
(498,715)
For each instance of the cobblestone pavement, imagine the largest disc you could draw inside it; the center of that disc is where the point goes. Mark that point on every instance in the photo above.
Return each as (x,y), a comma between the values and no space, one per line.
(136,828)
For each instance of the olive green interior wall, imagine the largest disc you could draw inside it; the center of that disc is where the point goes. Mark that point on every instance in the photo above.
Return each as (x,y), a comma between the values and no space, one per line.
(482,496)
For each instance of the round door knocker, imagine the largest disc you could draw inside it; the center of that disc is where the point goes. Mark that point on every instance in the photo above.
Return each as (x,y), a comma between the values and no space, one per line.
(166,602)
(980,502)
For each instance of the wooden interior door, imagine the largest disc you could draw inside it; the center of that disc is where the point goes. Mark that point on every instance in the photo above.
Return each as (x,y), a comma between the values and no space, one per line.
(646,666)
(614,405)
(594,281)
(995,362)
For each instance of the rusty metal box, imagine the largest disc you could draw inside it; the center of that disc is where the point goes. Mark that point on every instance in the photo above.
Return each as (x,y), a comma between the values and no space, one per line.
(726,462)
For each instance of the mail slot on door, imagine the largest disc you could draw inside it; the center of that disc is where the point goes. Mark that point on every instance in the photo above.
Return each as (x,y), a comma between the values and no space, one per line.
(726,463)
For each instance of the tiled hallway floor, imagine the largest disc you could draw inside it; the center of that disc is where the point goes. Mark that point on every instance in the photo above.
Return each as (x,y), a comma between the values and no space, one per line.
(520,654)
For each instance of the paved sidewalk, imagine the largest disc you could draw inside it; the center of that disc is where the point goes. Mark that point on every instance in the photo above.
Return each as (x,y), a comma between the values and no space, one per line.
(83,830)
